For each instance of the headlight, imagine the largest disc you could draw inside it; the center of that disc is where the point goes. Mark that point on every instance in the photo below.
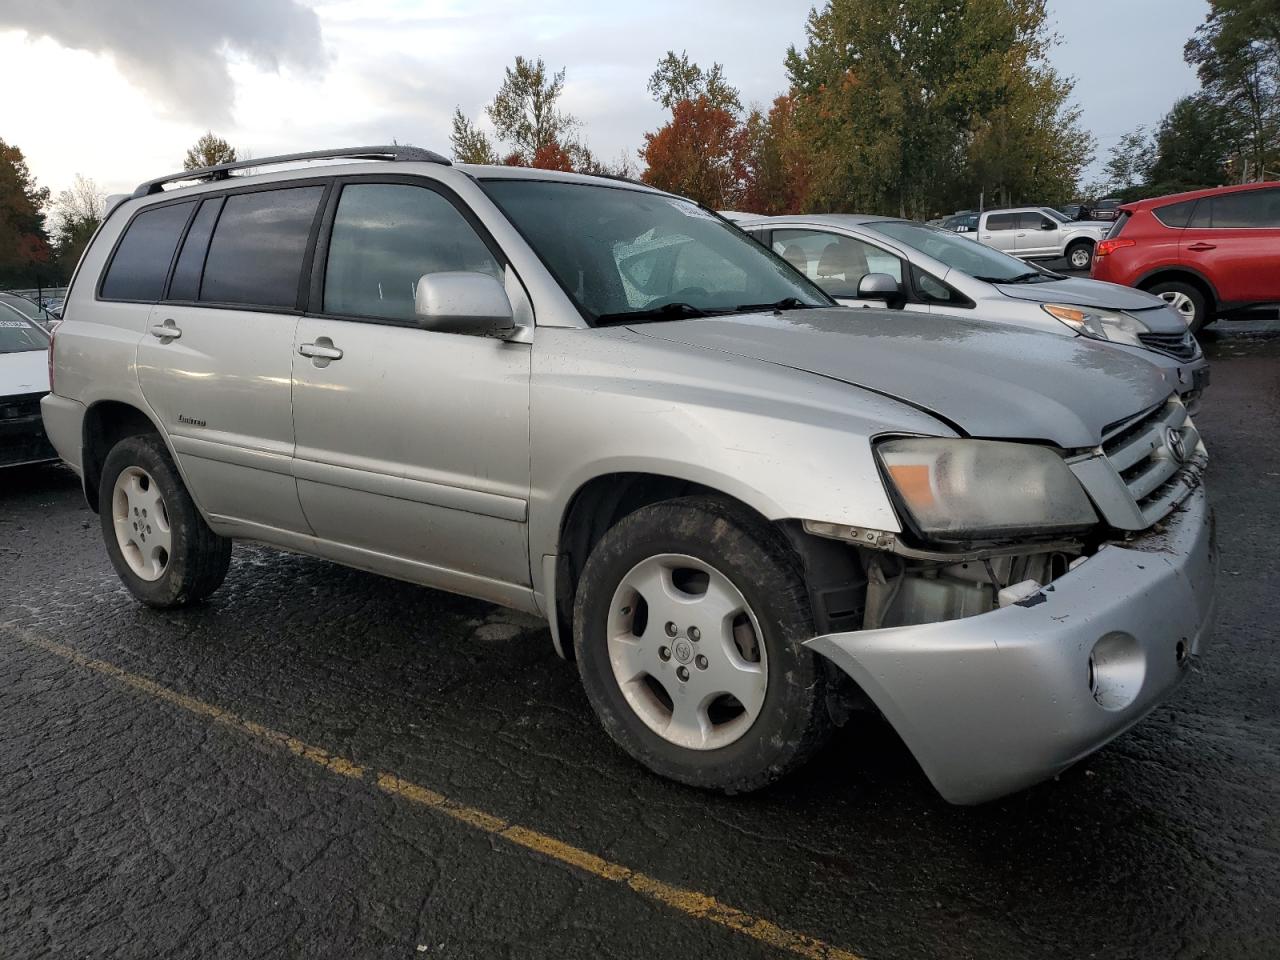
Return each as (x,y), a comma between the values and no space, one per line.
(962,489)
(1098,324)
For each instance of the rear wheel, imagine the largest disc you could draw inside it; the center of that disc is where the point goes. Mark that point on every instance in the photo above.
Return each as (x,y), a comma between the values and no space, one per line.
(689,627)
(1187,299)
(159,544)
(1080,255)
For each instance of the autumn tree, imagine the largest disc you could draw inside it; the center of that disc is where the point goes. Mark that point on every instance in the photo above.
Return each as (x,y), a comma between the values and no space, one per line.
(209,151)
(915,106)
(698,153)
(24,245)
(778,162)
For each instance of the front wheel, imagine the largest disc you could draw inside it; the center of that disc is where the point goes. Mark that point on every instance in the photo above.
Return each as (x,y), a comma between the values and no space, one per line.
(1189,301)
(1080,256)
(159,544)
(689,626)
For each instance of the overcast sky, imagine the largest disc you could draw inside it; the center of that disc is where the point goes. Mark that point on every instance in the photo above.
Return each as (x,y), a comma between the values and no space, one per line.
(118,89)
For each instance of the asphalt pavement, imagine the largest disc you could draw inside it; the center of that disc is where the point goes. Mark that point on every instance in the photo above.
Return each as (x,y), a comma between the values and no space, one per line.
(323,763)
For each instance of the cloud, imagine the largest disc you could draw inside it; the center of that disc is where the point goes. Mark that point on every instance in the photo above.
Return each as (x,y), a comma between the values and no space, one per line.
(177,52)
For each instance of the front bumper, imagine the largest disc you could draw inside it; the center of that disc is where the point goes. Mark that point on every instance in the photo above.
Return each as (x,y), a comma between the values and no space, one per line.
(993,703)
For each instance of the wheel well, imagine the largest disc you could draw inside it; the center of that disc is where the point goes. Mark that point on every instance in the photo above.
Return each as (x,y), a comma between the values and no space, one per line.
(832,573)
(1182,276)
(1082,241)
(105,425)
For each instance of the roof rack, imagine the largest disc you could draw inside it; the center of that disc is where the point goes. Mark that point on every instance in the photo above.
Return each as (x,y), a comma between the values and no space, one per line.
(222,171)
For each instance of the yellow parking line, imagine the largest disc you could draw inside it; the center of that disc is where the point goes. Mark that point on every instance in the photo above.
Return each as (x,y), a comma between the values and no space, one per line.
(689,902)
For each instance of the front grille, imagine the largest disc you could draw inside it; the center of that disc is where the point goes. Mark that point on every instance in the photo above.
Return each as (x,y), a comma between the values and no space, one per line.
(1181,346)
(18,407)
(1158,456)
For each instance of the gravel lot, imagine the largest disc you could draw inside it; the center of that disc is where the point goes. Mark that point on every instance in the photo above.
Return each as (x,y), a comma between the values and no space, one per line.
(153,801)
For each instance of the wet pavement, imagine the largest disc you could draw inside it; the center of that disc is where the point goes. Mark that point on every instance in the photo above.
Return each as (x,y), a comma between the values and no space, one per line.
(151,805)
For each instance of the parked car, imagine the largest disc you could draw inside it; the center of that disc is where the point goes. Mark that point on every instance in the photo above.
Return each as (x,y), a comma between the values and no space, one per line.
(932,271)
(961,223)
(24,379)
(1209,253)
(29,309)
(595,401)
(1103,210)
(1041,233)
(1073,211)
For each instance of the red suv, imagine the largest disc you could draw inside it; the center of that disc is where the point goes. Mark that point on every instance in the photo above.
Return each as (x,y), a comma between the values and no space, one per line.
(1210,253)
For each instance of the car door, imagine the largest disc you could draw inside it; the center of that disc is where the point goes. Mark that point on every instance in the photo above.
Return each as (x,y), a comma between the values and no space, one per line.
(1038,235)
(216,361)
(1234,240)
(837,262)
(1000,230)
(412,450)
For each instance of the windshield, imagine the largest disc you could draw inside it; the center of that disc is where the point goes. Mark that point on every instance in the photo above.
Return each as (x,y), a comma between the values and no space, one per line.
(1055,214)
(24,307)
(626,255)
(18,335)
(957,251)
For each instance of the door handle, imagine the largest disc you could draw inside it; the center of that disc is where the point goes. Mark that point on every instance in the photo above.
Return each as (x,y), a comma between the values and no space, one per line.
(321,352)
(166,331)
(1201,247)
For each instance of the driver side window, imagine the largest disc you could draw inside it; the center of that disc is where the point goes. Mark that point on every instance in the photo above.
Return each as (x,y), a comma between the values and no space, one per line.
(834,262)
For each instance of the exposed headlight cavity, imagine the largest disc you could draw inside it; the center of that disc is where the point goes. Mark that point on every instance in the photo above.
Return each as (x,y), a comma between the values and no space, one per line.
(967,489)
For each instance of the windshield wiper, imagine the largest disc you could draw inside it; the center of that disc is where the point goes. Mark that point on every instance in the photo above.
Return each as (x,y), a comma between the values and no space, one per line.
(1026,277)
(668,311)
(786,303)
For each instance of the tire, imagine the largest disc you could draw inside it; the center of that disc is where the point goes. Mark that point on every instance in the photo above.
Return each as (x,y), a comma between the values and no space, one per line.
(1188,299)
(141,494)
(743,628)
(1080,255)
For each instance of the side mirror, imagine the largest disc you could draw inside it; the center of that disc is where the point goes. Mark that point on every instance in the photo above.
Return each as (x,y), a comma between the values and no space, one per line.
(880,286)
(1048,225)
(462,301)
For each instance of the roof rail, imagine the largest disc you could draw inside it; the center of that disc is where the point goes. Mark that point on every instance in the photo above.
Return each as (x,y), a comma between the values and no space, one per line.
(222,171)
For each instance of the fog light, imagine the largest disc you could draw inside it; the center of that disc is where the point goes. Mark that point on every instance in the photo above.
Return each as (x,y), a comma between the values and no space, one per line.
(1117,666)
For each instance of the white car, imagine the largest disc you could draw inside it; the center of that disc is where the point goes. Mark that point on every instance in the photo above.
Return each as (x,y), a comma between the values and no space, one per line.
(24,379)
(1041,233)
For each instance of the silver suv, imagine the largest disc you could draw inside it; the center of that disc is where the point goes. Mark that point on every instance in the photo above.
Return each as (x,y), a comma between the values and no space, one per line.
(742,515)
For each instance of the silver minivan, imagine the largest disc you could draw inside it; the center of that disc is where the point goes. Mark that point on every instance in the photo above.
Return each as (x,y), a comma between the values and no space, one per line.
(934,270)
(743,516)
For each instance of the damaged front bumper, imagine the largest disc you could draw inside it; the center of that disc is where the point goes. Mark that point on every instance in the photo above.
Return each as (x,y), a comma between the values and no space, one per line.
(993,703)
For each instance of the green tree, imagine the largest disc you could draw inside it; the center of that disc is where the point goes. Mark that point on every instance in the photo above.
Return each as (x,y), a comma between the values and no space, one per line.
(1130,161)
(677,78)
(916,105)
(209,151)
(77,211)
(1191,148)
(1236,53)
(524,112)
(24,245)
(470,145)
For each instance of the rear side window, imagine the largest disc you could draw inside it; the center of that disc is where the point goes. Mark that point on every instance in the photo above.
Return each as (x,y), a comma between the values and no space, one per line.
(185,284)
(1176,215)
(141,262)
(1002,221)
(256,254)
(1034,221)
(1248,208)
(385,237)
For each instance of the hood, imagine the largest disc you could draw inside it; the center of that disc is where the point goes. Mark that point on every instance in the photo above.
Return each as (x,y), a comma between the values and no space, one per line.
(1095,224)
(1079,292)
(987,380)
(25,372)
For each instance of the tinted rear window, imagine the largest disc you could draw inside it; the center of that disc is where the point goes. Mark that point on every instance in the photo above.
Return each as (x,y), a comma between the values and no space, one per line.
(1001,221)
(141,261)
(1119,224)
(255,256)
(1175,214)
(186,274)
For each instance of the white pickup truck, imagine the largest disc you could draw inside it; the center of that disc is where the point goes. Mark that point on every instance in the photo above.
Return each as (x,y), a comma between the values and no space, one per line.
(1041,233)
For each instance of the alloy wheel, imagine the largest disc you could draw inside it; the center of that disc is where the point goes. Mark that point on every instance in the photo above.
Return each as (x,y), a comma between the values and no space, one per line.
(1182,303)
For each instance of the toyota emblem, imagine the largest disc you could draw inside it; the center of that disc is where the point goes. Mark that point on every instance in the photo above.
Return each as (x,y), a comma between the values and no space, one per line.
(1177,447)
